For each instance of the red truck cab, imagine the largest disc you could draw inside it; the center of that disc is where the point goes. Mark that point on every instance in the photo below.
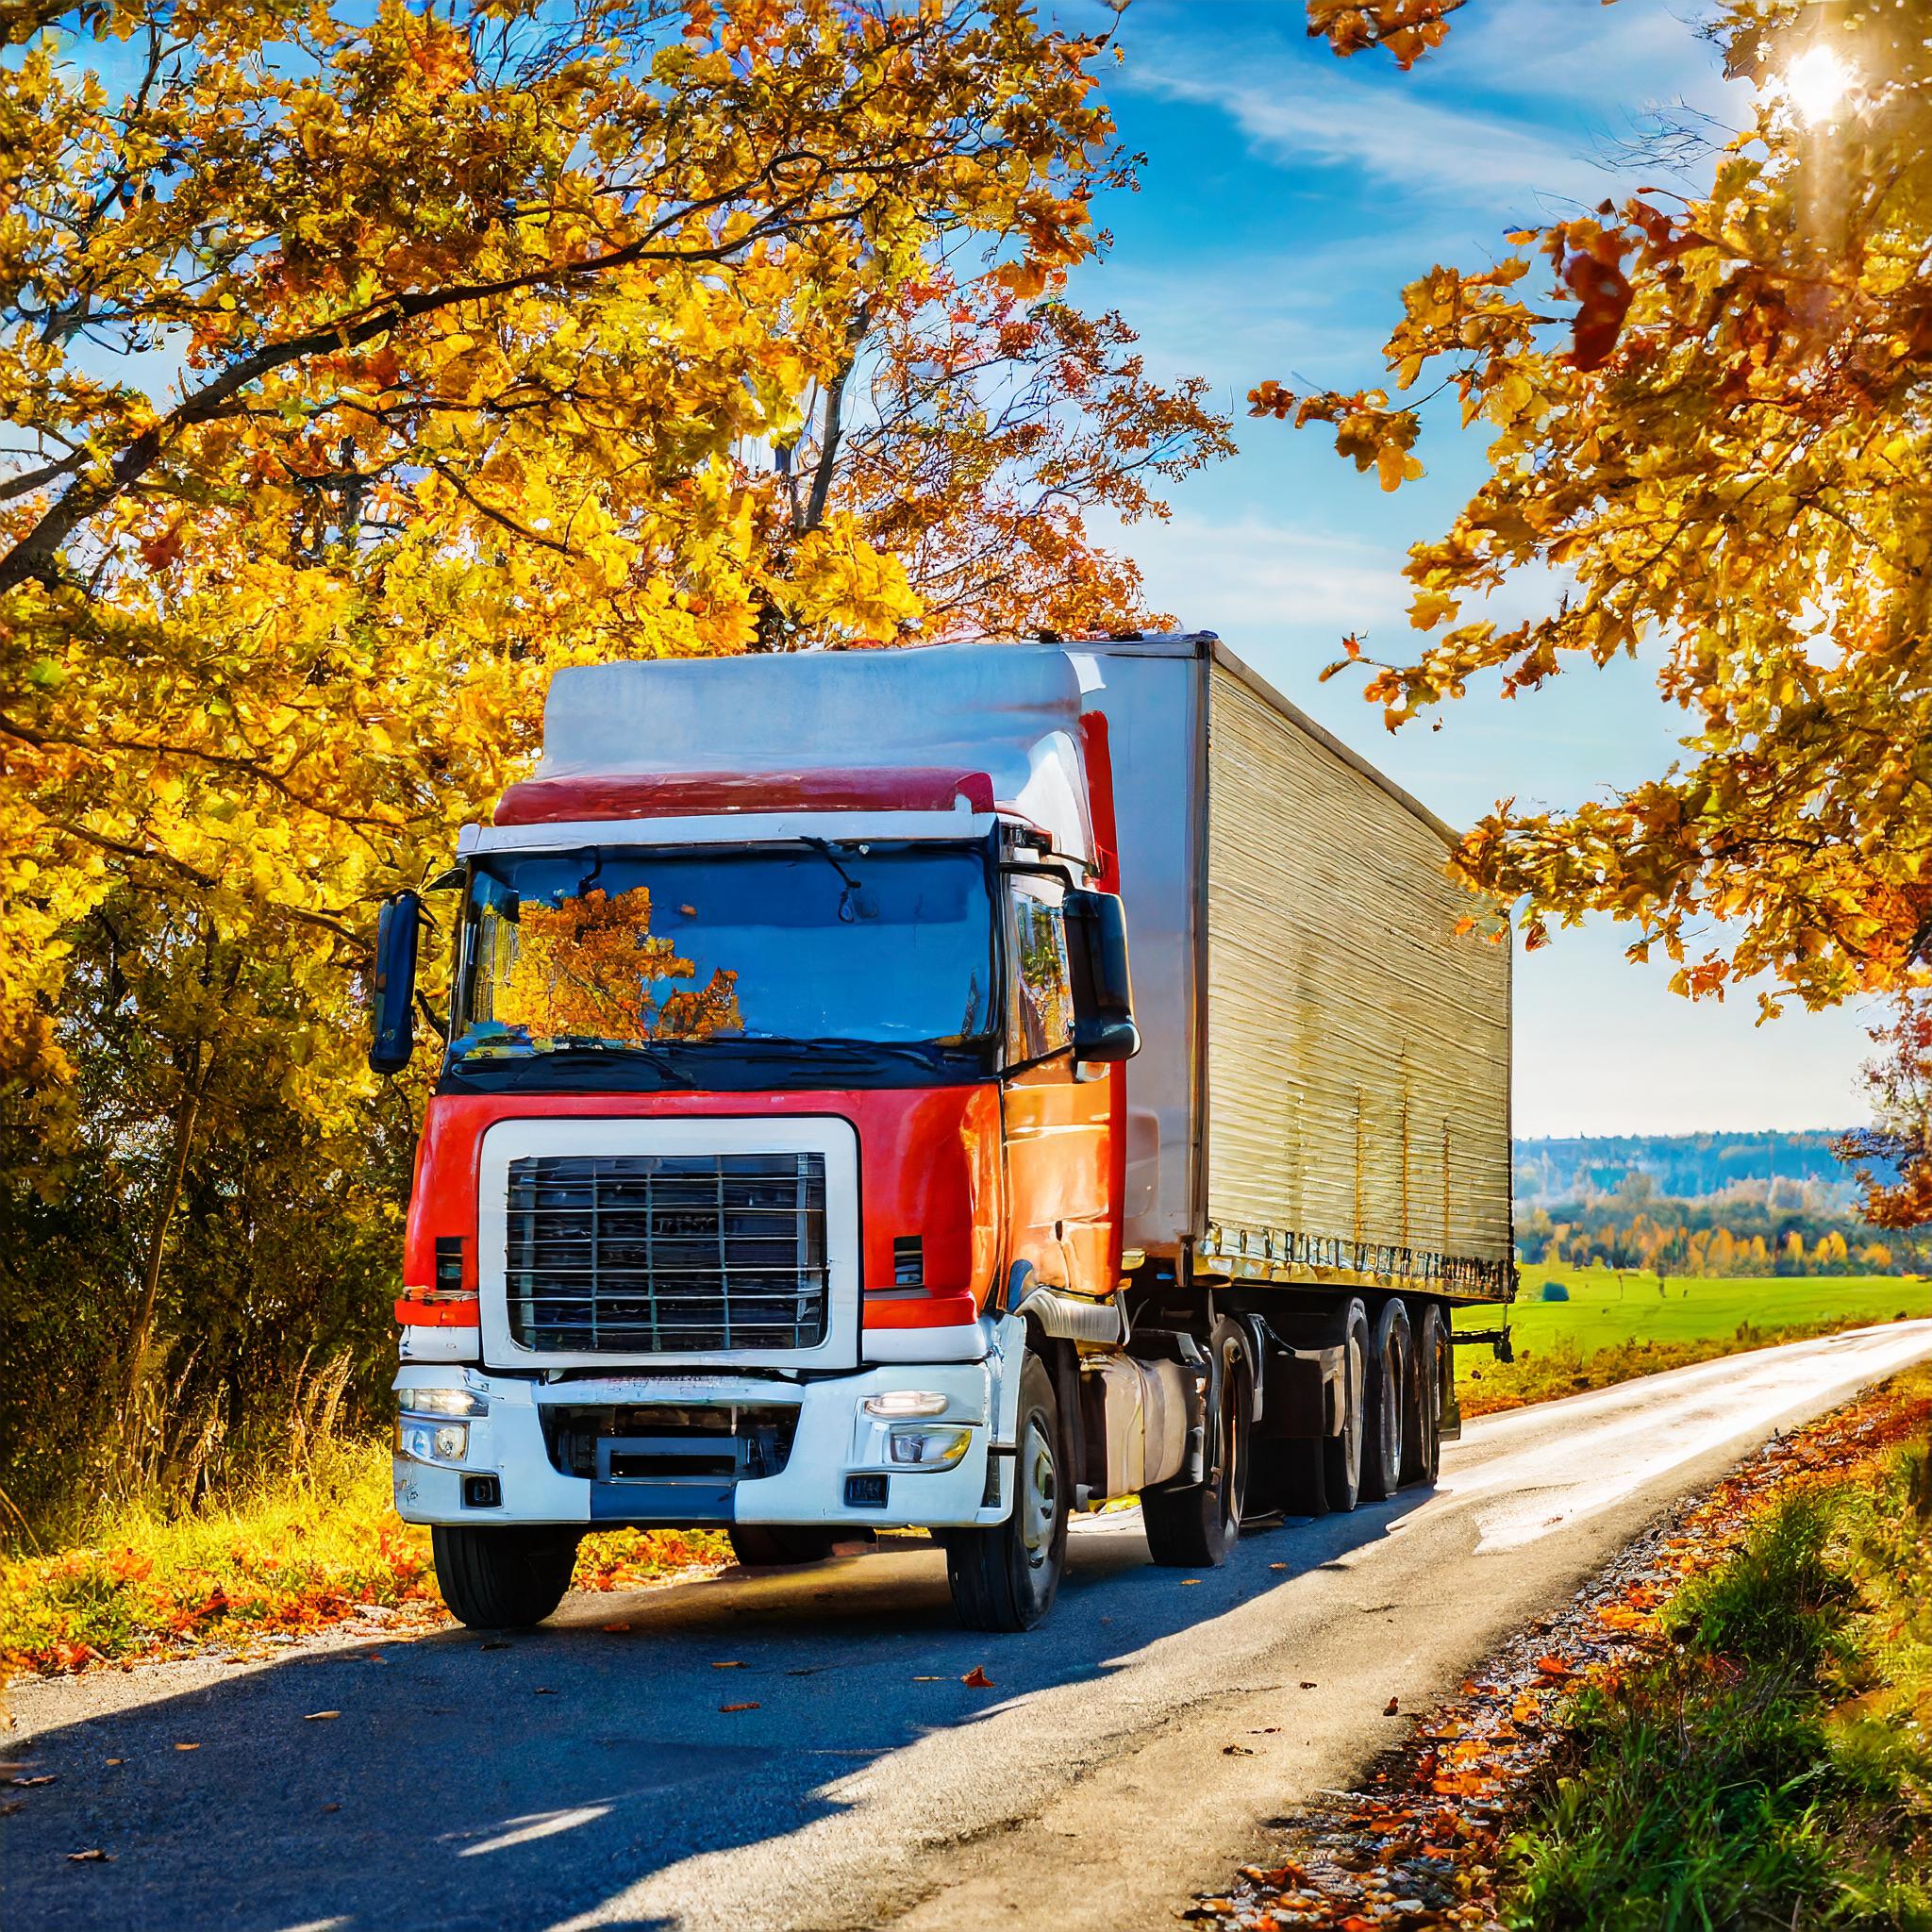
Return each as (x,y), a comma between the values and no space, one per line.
(774,1096)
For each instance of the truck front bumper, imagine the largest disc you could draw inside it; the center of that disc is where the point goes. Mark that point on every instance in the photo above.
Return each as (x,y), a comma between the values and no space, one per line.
(839,1470)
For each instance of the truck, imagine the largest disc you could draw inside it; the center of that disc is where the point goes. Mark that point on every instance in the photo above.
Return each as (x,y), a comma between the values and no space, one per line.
(944,1089)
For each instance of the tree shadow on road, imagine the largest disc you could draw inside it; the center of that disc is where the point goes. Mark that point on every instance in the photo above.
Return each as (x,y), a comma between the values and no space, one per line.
(478,1782)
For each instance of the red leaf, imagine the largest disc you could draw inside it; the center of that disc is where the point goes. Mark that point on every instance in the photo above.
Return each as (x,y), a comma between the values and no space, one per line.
(1603,295)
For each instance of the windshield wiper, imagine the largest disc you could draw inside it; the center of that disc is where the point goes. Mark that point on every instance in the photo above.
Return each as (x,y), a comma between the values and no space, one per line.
(926,1052)
(652,1052)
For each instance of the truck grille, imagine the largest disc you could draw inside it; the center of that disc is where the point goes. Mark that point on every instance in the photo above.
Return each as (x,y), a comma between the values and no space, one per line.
(667,1253)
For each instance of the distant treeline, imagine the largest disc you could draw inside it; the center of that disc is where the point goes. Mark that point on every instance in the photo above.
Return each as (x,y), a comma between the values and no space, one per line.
(1753,1230)
(1684,1167)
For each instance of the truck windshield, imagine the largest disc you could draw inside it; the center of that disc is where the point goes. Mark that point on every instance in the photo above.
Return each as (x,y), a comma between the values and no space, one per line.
(815,941)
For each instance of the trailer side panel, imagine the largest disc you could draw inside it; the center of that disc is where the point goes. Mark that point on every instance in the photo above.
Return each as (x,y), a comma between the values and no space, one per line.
(1358,1046)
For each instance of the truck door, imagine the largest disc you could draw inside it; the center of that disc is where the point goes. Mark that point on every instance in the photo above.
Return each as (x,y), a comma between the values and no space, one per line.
(1057,1125)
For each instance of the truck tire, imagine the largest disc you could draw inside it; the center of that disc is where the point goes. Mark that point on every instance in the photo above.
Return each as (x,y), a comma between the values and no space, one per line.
(1343,1454)
(1195,1527)
(504,1577)
(1421,1449)
(777,1545)
(1391,1371)
(1005,1577)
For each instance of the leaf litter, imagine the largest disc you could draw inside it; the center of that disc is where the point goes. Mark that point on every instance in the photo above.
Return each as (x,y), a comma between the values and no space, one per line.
(1422,1842)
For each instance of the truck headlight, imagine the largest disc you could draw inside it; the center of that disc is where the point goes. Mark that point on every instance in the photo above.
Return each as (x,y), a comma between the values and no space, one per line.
(441,1402)
(928,1448)
(432,1441)
(898,1402)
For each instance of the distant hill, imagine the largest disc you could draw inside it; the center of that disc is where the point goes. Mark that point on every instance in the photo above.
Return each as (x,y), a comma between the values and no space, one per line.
(1684,1167)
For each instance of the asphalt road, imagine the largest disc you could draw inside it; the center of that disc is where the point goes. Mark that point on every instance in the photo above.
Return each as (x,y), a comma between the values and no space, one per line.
(576,1777)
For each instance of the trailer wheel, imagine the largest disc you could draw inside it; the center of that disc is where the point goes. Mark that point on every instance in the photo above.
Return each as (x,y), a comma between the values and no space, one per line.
(1421,1453)
(1005,1577)
(1195,1527)
(504,1577)
(1341,1455)
(1392,1369)
(773,1546)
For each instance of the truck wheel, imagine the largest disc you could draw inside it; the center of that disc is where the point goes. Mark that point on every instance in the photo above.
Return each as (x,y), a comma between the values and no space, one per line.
(1342,1456)
(777,1545)
(1392,1369)
(504,1577)
(1421,1453)
(1194,1528)
(1005,1577)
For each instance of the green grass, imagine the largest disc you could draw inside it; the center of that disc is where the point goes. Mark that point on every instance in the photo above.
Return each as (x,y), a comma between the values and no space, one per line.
(1772,1767)
(1603,1312)
(1612,1328)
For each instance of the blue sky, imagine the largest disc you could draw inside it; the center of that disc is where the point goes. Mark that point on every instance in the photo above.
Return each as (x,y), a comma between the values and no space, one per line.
(1285,197)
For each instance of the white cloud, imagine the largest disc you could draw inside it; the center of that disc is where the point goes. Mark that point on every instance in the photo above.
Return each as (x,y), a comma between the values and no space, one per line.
(1526,108)
(1397,138)
(1252,576)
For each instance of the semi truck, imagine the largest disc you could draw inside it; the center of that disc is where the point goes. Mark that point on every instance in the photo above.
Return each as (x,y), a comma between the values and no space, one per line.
(941,1089)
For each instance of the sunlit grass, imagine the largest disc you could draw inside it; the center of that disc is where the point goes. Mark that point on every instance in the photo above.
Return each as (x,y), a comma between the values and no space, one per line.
(282,1555)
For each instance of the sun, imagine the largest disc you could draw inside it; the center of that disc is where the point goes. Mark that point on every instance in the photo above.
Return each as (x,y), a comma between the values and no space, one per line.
(1816,82)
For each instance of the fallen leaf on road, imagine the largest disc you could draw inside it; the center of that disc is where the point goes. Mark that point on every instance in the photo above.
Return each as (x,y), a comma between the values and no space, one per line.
(316,1717)
(977,1679)
(1278,1566)
(928,1680)
(737,1707)
(1554,1667)
(331,1807)
(730,1663)
(117,1760)
(616,1630)
(1391,1707)
(1236,1751)
(1186,1580)
(1307,1684)
(544,1691)
(188,1747)
(94,1857)
(499,1645)
(11,1806)
(27,1783)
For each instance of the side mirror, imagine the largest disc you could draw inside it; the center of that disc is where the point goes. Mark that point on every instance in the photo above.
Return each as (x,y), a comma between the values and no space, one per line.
(396,983)
(1103,1025)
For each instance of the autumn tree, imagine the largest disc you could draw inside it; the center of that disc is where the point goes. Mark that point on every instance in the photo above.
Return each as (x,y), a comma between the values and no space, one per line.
(1707,421)
(980,422)
(1892,1157)
(364,364)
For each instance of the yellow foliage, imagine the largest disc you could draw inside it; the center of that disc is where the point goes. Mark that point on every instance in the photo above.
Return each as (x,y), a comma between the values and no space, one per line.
(1722,457)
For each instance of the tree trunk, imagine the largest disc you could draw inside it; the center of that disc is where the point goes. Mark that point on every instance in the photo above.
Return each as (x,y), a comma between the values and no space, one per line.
(157,1234)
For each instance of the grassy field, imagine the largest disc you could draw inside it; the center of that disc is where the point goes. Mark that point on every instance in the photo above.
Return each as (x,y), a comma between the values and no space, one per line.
(1615,1326)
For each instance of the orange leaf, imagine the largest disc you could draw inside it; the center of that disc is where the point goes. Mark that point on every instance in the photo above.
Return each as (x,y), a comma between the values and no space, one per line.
(977,1679)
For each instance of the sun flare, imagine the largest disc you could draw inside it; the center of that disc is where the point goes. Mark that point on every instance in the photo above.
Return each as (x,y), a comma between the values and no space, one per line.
(1816,82)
